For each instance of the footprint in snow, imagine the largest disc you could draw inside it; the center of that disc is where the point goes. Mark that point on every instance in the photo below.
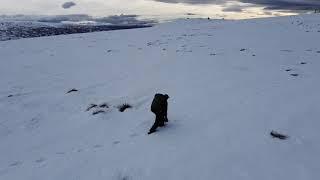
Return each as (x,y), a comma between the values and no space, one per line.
(19,94)
(79,150)
(286,50)
(98,146)
(16,163)
(40,160)
(33,123)
(115,142)
(134,135)
(60,153)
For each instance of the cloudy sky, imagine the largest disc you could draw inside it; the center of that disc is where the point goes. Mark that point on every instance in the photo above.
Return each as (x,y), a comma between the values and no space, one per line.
(268,4)
(159,8)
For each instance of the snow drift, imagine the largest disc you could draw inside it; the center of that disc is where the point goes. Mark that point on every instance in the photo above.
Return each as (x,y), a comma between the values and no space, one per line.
(231,83)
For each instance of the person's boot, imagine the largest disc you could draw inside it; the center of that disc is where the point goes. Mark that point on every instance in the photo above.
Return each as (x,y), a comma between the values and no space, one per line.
(161,124)
(165,119)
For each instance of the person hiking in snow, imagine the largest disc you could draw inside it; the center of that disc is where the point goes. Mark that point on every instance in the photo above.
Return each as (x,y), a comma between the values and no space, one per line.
(159,107)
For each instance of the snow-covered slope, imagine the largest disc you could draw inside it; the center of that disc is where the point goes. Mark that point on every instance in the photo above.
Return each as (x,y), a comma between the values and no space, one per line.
(230,83)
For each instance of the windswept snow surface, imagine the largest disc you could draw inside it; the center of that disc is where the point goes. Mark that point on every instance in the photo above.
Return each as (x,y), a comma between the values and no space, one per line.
(231,83)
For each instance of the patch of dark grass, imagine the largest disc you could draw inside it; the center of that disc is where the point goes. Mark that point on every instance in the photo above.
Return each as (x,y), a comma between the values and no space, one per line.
(72,90)
(98,112)
(91,106)
(104,105)
(275,134)
(294,75)
(124,106)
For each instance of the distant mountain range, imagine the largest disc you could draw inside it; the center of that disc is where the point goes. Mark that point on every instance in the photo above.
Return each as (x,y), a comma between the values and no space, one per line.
(16,27)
